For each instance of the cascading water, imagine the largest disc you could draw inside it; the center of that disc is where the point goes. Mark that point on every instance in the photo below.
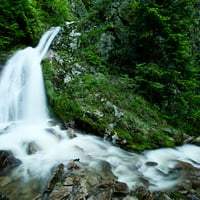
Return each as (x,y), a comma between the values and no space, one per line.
(21,84)
(23,120)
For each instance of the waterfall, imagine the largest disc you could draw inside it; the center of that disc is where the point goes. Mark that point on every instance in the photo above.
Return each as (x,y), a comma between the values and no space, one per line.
(21,84)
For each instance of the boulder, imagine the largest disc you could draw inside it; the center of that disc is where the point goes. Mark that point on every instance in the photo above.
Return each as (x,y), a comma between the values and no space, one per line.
(2,197)
(7,161)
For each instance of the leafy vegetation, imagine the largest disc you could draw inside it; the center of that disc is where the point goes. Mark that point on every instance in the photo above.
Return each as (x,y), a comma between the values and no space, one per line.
(104,105)
(153,42)
(18,24)
(23,21)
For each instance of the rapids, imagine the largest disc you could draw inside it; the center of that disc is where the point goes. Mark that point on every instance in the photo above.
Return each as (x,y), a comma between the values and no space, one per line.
(24,118)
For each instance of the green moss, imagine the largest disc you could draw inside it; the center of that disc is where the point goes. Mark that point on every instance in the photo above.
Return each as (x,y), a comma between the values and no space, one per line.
(178,195)
(100,103)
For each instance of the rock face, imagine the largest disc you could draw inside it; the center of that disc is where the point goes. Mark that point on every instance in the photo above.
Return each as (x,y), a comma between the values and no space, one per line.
(7,161)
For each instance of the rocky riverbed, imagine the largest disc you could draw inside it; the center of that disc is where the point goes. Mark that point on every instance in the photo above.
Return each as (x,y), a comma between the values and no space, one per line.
(78,180)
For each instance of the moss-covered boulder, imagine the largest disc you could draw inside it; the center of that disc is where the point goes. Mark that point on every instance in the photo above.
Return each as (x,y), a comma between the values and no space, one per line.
(82,89)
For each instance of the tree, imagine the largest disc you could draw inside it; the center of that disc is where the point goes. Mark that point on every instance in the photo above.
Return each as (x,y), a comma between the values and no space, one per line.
(23,21)
(158,49)
(18,23)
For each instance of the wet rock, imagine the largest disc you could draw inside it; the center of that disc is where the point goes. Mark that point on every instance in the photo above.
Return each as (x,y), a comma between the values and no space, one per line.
(5,180)
(151,164)
(7,128)
(70,124)
(53,123)
(103,195)
(56,176)
(71,132)
(191,176)
(121,188)
(189,140)
(143,194)
(161,196)
(31,148)
(190,185)
(197,141)
(2,197)
(7,161)
(54,133)
(83,183)
(192,140)
(192,197)
(74,164)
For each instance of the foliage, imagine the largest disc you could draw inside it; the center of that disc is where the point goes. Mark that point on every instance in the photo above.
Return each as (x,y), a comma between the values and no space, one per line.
(155,49)
(23,21)
(54,12)
(19,23)
(152,44)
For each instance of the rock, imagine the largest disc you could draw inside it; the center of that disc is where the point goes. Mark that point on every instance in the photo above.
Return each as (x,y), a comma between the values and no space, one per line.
(7,161)
(70,124)
(143,194)
(53,123)
(56,176)
(189,140)
(121,188)
(98,183)
(71,133)
(5,180)
(73,165)
(151,163)
(54,133)
(161,196)
(190,184)
(83,183)
(31,148)
(102,195)
(2,197)
(7,128)
(197,141)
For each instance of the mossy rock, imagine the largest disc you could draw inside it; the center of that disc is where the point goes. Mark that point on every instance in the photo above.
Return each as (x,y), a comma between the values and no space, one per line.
(83,89)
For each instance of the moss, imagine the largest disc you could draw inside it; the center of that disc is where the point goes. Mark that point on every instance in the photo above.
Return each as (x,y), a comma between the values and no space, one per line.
(178,195)
(101,103)
(90,126)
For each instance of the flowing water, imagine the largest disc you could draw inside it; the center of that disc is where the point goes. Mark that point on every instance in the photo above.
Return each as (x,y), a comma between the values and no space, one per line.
(24,119)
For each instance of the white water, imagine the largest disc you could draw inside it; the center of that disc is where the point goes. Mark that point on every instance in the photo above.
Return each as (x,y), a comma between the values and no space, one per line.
(21,85)
(24,116)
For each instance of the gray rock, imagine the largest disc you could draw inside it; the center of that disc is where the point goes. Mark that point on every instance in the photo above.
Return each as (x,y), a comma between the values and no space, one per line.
(7,161)
(31,148)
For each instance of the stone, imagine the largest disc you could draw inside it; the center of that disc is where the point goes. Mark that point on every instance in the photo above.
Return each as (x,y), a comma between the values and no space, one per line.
(31,148)
(71,132)
(56,176)
(5,180)
(121,188)
(143,193)
(7,161)
(54,133)
(2,197)
(151,163)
